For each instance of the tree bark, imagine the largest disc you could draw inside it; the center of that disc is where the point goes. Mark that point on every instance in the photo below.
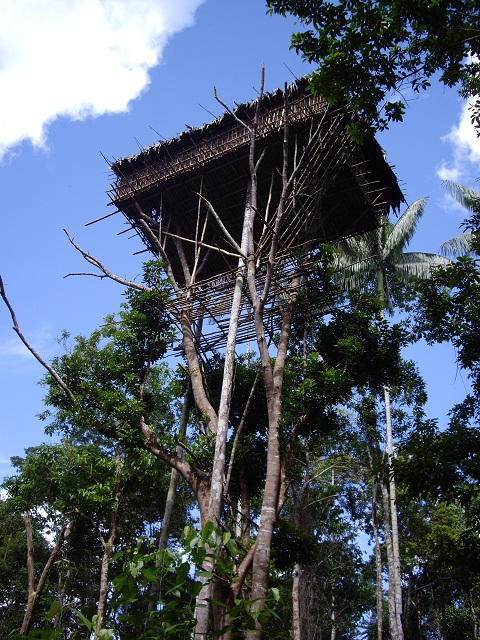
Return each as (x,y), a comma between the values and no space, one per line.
(296,628)
(378,563)
(270,503)
(218,470)
(390,562)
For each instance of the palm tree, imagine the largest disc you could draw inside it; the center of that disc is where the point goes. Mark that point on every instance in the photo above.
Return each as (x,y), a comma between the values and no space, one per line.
(461,245)
(378,258)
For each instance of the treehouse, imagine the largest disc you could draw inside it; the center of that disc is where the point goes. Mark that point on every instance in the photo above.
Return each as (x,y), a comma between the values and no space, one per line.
(186,197)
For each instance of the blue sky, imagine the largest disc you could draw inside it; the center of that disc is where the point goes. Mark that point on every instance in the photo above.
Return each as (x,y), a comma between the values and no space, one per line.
(81,78)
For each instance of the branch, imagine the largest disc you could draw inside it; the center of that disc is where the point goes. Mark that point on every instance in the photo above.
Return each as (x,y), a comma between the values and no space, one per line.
(86,273)
(190,453)
(200,243)
(230,111)
(62,536)
(32,350)
(96,263)
(243,569)
(30,554)
(191,474)
(221,225)
(35,593)
(238,432)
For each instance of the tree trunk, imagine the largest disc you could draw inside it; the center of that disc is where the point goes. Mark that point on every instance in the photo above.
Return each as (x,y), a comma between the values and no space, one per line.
(107,551)
(378,564)
(34,593)
(269,512)
(296,603)
(473,610)
(394,569)
(62,583)
(333,632)
(103,592)
(202,608)
(393,518)
(390,562)
(218,470)
(170,502)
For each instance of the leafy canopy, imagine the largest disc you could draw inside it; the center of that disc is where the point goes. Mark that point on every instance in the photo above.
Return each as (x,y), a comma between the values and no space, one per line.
(370,52)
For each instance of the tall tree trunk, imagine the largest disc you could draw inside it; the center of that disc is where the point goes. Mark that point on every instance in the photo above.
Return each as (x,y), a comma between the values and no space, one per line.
(103,592)
(333,632)
(273,385)
(394,570)
(218,470)
(394,519)
(202,608)
(473,610)
(378,563)
(62,583)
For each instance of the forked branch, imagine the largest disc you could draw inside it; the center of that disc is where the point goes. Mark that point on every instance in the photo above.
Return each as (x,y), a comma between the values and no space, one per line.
(96,263)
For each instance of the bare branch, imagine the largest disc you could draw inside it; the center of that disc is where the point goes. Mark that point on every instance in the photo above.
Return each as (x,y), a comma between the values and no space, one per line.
(221,225)
(32,350)
(96,263)
(227,108)
(199,243)
(238,432)
(86,273)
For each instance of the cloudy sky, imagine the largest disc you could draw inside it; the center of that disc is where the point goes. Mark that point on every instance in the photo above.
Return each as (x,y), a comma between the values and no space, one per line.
(78,59)
(85,80)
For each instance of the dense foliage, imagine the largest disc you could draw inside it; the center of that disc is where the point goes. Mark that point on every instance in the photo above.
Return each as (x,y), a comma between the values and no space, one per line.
(368,52)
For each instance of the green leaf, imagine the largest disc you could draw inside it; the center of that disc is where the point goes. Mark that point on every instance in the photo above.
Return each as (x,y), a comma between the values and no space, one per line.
(85,622)
(276,593)
(208,529)
(52,612)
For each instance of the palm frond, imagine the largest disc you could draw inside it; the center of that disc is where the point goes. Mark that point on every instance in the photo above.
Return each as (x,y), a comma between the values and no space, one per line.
(402,232)
(460,245)
(468,198)
(355,275)
(358,247)
(417,264)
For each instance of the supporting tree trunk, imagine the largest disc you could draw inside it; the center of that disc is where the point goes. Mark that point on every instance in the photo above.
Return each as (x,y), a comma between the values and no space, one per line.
(202,608)
(103,592)
(333,618)
(218,470)
(270,503)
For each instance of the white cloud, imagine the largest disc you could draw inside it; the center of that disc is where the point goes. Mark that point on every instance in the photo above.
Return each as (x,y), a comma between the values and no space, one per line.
(12,350)
(78,59)
(464,165)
